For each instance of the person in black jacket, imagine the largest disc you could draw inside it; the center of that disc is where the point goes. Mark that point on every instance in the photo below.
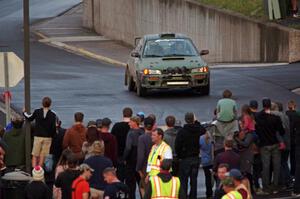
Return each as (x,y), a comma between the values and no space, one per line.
(130,155)
(120,131)
(292,114)
(268,126)
(45,130)
(56,146)
(37,189)
(187,150)
(296,127)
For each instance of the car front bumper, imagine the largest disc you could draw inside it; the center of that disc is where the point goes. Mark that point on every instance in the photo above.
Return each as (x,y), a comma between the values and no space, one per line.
(175,81)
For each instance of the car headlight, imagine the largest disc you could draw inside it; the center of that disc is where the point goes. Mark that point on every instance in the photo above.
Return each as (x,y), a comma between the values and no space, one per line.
(151,72)
(203,69)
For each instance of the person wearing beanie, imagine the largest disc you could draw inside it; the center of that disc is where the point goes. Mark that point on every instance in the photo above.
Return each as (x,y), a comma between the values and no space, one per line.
(37,189)
(268,126)
(165,182)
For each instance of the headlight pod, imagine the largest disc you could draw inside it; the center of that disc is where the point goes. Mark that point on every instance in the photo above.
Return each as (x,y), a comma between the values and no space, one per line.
(151,72)
(203,69)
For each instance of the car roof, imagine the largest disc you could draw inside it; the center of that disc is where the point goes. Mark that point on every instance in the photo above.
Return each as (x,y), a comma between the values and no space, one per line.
(165,35)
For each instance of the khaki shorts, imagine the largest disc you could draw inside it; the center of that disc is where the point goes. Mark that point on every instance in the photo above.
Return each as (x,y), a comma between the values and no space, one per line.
(96,193)
(41,146)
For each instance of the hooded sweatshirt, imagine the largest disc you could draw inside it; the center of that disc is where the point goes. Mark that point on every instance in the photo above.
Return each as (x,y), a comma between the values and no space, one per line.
(169,137)
(187,140)
(15,154)
(74,138)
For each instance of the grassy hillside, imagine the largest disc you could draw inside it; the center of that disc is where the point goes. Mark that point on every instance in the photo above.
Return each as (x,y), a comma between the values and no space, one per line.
(252,8)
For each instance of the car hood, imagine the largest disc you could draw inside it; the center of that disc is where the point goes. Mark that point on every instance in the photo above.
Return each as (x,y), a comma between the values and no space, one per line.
(166,62)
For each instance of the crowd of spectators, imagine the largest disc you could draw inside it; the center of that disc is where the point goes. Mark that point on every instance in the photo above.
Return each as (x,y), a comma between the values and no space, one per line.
(101,160)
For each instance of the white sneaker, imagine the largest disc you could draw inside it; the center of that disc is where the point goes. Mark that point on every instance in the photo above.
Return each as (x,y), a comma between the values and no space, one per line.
(295,194)
(296,15)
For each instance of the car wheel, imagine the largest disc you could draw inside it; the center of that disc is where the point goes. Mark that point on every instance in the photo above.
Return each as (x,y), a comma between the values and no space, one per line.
(130,83)
(140,90)
(202,90)
(205,90)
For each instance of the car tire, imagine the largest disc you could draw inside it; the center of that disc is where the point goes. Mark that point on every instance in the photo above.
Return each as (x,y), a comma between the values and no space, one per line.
(205,90)
(202,90)
(130,83)
(140,90)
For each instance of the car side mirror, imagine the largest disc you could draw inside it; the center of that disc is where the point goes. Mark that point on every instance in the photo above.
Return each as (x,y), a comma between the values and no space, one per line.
(135,54)
(136,40)
(204,52)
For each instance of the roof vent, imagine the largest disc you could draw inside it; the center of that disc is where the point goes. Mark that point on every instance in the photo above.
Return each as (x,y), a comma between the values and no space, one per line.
(167,35)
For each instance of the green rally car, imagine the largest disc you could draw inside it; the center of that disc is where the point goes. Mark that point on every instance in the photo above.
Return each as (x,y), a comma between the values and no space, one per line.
(166,61)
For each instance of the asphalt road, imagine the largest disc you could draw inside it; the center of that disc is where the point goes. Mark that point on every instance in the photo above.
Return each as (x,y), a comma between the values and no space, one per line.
(76,83)
(79,84)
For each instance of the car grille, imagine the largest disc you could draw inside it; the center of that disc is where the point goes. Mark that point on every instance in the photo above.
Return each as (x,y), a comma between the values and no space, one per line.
(176,70)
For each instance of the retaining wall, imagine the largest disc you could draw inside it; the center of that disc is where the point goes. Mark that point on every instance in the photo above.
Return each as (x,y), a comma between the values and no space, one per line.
(228,36)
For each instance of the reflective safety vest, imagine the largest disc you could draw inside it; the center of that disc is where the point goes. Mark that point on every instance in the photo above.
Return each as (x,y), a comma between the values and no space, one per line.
(233,195)
(155,157)
(164,190)
(242,186)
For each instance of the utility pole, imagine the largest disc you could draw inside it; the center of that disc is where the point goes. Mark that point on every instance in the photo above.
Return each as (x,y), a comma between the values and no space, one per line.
(27,81)
(7,96)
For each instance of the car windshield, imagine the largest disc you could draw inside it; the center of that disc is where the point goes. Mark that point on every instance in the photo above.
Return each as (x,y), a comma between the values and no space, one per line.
(169,48)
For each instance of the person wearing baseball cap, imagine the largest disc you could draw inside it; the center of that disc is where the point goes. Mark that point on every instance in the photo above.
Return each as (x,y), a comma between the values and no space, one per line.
(141,115)
(229,188)
(241,183)
(80,186)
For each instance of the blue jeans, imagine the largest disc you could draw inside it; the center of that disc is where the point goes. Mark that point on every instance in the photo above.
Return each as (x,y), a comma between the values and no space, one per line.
(269,153)
(189,169)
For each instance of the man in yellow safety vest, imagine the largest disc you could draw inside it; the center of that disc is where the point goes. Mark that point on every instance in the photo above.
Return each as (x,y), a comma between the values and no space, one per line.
(229,188)
(159,151)
(164,185)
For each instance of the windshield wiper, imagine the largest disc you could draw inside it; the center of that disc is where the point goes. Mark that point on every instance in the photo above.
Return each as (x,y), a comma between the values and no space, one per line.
(178,55)
(153,56)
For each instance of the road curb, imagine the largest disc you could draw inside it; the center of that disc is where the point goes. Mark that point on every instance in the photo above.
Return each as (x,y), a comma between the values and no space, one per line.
(79,51)
(89,54)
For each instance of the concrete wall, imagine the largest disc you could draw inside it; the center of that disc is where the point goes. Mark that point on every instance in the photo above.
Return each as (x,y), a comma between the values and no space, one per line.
(229,37)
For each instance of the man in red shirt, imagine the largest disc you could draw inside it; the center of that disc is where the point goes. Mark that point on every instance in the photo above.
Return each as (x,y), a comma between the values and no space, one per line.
(80,186)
